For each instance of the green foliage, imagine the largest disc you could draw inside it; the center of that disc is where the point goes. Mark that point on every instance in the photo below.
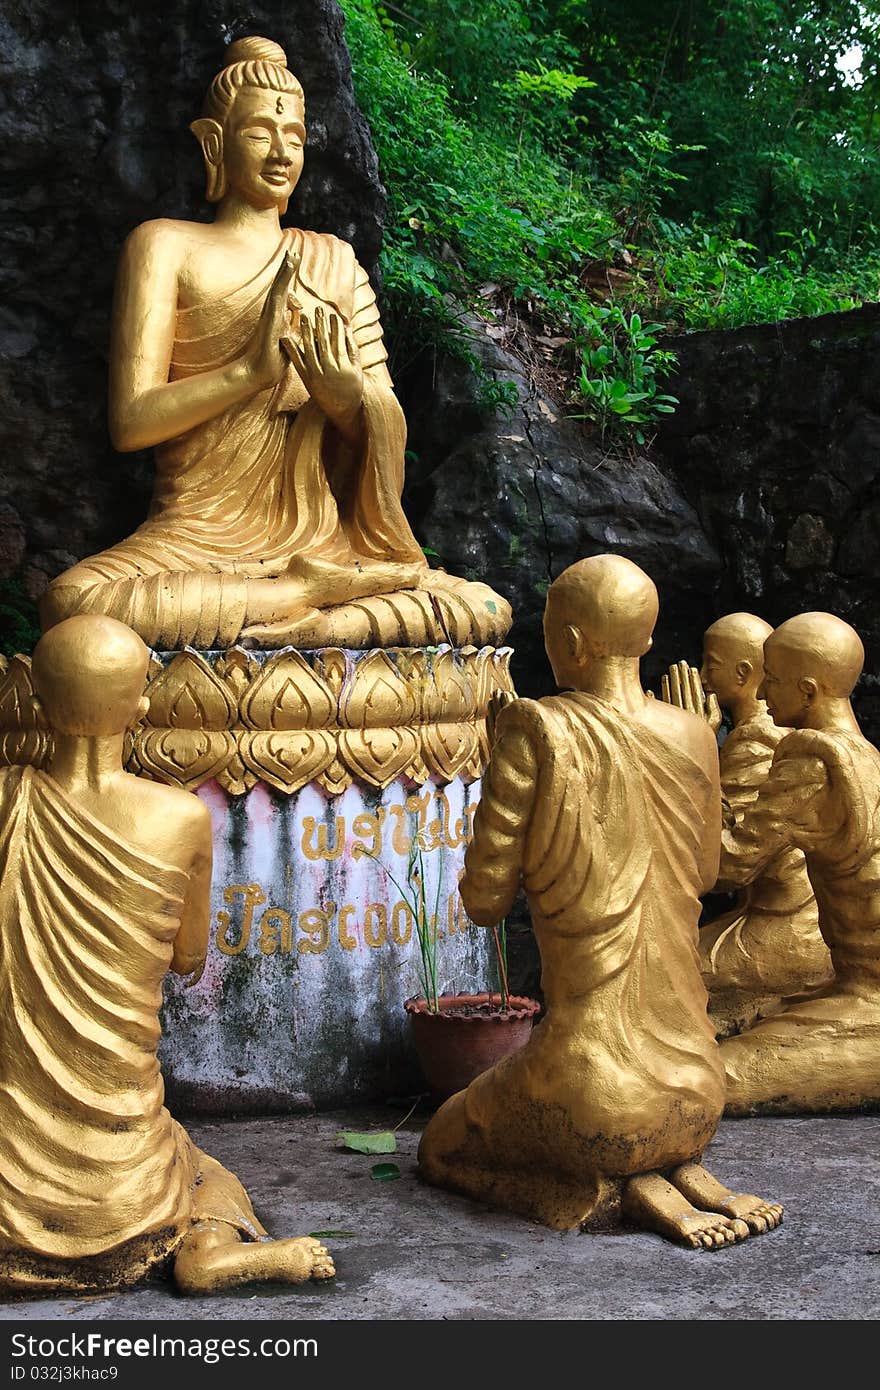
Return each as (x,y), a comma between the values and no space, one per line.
(719,158)
(621,371)
(19,623)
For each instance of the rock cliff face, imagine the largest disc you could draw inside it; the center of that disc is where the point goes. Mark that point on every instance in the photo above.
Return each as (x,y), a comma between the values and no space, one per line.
(94,139)
(776,446)
(518,496)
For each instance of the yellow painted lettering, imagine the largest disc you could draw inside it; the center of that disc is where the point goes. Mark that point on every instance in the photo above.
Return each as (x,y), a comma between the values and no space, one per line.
(253,896)
(375,924)
(276,931)
(347,940)
(322,849)
(315,922)
(369,828)
(400,841)
(402,922)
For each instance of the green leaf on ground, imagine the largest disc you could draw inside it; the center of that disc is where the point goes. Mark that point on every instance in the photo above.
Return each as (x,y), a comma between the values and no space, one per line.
(330,1235)
(379,1142)
(384,1172)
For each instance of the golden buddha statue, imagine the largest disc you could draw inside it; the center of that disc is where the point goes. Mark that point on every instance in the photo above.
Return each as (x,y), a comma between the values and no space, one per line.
(252,359)
(105,880)
(769,944)
(605,805)
(820,1052)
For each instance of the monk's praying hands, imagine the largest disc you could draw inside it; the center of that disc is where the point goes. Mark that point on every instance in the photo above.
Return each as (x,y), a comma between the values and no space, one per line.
(326,359)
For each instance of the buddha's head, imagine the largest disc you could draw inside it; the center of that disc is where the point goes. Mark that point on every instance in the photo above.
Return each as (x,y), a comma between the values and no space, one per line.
(252,128)
(601,607)
(733,657)
(810,661)
(89,674)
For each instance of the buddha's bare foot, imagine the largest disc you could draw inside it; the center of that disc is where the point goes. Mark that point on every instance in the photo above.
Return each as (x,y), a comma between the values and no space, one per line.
(695,1183)
(289,632)
(653,1203)
(329,583)
(212,1256)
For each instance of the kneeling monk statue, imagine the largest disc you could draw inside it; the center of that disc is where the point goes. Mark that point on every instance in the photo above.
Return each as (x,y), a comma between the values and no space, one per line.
(821,1051)
(104,886)
(252,358)
(605,804)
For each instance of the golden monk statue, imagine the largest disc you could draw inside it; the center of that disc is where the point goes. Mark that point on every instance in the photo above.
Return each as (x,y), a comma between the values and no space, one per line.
(605,805)
(252,359)
(769,944)
(822,796)
(104,886)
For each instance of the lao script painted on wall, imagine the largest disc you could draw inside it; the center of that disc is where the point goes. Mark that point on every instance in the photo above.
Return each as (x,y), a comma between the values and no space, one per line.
(334,874)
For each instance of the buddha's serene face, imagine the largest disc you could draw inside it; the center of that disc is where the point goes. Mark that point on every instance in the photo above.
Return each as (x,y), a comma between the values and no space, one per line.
(263,138)
(782,690)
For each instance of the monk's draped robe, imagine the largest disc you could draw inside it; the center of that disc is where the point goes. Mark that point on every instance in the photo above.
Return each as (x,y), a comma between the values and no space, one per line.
(97,1182)
(269,479)
(602,821)
(770,942)
(822,1053)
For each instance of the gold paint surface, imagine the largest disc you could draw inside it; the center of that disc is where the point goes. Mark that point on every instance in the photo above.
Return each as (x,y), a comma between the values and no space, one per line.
(820,1051)
(604,806)
(768,944)
(105,887)
(252,360)
(329,718)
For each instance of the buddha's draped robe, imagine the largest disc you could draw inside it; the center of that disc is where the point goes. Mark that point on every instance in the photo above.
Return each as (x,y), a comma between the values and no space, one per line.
(770,941)
(269,479)
(822,1053)
(602,821)
(97,1182)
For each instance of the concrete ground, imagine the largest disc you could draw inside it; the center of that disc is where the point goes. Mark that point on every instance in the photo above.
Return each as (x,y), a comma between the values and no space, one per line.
(407,1251)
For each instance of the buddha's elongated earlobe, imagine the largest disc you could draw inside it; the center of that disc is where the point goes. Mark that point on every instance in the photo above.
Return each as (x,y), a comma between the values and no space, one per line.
(210,136)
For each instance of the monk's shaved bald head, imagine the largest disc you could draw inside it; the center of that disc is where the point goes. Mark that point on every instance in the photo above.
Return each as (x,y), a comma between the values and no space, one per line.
(741,632)
(611,601)
(821,647)
(89,674)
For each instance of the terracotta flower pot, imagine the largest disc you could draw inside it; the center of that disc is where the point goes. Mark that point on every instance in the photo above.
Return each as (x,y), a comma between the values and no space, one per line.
(468,1035)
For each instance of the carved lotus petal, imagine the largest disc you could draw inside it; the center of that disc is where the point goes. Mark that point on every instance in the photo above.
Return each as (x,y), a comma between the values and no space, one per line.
(16,695)
(501,677)
(235,778)
(288,759)
(336,779)
(188,695)
(483,676)
(447,748)
(288,694)
(456,686)
(183,757)
(378,755)
(237,667)
(378,697)
(31,747)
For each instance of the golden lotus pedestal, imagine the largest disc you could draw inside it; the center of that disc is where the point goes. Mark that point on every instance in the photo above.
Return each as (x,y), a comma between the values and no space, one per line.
(334,779)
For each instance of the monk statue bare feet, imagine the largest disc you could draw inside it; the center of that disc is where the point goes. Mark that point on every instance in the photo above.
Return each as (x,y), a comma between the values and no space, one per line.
(212,1256)
(105,883)
(605,806)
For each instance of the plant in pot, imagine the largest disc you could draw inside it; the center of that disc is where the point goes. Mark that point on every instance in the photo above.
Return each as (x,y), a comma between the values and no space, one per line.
(458,1036)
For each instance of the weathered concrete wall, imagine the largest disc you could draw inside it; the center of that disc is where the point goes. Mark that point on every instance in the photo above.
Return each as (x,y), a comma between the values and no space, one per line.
(776,446)
(314,947)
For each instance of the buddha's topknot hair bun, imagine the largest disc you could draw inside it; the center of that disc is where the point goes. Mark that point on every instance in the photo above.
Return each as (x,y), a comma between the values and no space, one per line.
(250,62)
(255,50)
